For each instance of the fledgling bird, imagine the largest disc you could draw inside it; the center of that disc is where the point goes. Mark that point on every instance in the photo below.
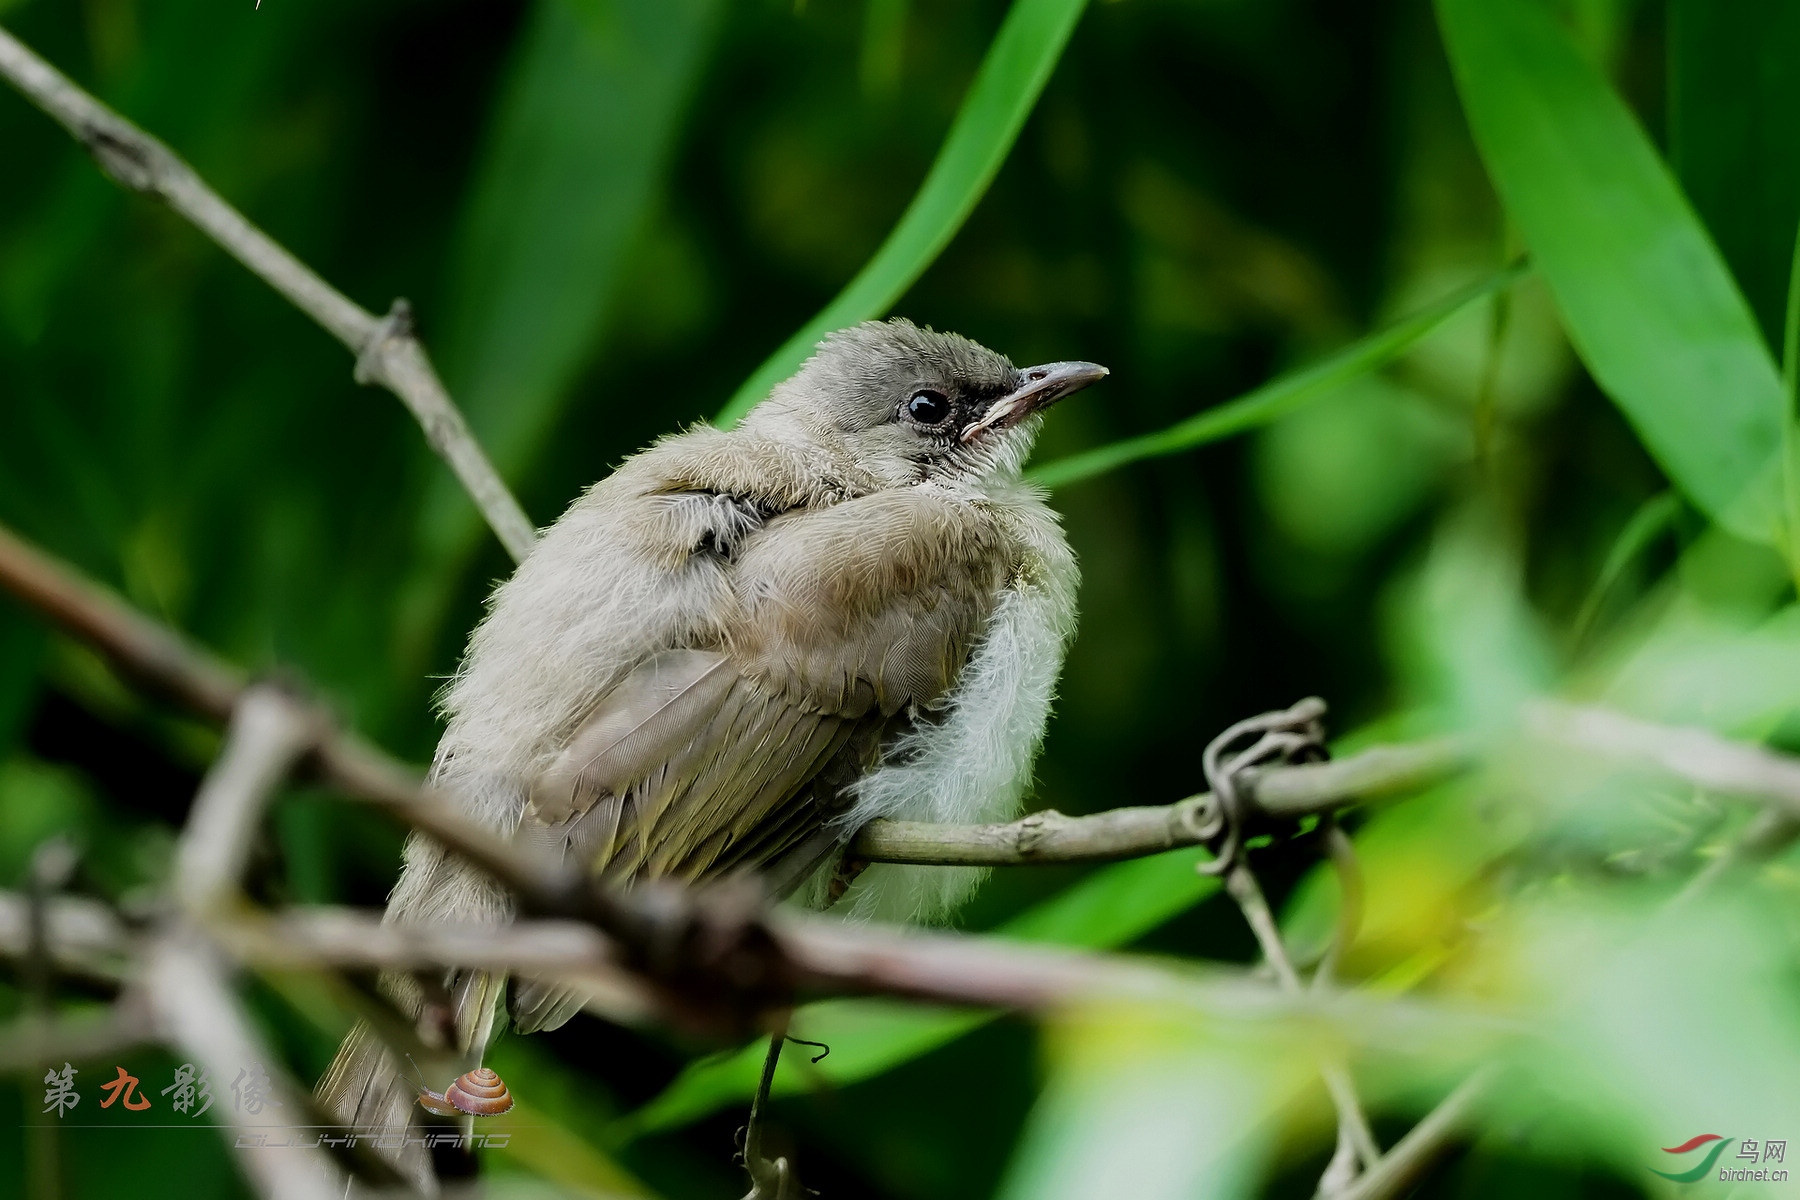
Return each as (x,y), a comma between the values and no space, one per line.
(743,645)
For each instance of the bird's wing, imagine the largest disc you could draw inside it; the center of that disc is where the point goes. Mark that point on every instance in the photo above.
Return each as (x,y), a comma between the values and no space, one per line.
(703,761)
(686,770)
(678,765)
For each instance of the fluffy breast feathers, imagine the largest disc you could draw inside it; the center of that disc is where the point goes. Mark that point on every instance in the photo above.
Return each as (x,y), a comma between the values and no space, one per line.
(939,614)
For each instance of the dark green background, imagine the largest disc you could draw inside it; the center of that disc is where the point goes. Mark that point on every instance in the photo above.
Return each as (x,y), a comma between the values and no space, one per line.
(606,214)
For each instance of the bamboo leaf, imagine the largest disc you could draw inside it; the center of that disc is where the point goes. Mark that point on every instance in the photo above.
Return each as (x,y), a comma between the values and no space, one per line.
(1144,1104)
(1647,299)
(1017,66)
(1279,396)
(584,128)
(1734,99)
(1652,518)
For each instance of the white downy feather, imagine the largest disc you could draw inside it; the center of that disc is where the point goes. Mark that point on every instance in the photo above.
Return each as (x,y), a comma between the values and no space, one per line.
(975,763)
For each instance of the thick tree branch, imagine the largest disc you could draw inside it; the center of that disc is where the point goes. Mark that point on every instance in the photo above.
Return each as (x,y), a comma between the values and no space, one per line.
(387,351)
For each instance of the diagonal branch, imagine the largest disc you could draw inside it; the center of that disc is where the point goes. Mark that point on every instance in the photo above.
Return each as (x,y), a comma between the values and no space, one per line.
(1403,1165)
(1698,755)
(143,650)
(388,352)
(190,990)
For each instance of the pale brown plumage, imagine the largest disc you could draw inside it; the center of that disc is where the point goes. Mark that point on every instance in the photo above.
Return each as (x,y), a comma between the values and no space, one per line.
(735,648)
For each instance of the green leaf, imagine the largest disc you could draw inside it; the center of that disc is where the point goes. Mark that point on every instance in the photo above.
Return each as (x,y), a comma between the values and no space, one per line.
(1465,637)
(1647,299)
(1145,1104)
(1734,100)
(1279,396)
(1650,1020)
(584,131)
(1111,907)
(1017,66)
(1652,518)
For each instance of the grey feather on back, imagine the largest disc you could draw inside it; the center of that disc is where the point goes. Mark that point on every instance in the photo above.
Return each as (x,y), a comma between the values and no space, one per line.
(636,727)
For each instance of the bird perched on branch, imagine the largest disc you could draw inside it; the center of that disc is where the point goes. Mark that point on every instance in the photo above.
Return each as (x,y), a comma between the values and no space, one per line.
(744,644)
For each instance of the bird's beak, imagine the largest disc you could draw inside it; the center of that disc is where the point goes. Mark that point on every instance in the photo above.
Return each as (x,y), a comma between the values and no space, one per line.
(1043,386)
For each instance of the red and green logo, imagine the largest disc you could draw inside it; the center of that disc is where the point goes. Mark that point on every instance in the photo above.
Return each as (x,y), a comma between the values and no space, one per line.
(1706,1164)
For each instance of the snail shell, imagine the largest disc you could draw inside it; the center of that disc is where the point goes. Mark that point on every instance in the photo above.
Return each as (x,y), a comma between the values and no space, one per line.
(480,1093)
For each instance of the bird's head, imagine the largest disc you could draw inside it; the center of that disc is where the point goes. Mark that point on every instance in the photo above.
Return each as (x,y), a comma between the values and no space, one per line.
(906,405)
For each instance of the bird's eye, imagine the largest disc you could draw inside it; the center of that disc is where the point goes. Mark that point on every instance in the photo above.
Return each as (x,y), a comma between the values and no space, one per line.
(928,407)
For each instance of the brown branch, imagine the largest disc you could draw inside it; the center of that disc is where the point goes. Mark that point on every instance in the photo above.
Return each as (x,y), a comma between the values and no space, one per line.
(388,352)
(143,650)
(829,958)
(1284,792)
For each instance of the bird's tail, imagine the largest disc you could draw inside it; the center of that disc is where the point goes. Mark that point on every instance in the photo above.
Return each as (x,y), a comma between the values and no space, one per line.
(369,1087)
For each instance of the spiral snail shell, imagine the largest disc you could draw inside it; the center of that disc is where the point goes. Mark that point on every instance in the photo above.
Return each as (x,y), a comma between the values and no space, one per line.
(480,1093)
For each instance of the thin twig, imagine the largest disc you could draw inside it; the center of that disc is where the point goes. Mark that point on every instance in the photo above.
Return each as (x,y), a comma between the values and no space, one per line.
(1285,792)
(1348,869)
(1401,1167)
(387,350)
(143,650)
(770,1179)
(1353,1123)
(268,734)
(1292,735)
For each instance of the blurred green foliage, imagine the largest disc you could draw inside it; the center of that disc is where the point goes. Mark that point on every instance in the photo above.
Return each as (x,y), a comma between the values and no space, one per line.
(1443,488)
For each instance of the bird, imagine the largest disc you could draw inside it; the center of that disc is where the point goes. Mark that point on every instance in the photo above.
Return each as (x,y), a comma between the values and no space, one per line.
(744,644)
